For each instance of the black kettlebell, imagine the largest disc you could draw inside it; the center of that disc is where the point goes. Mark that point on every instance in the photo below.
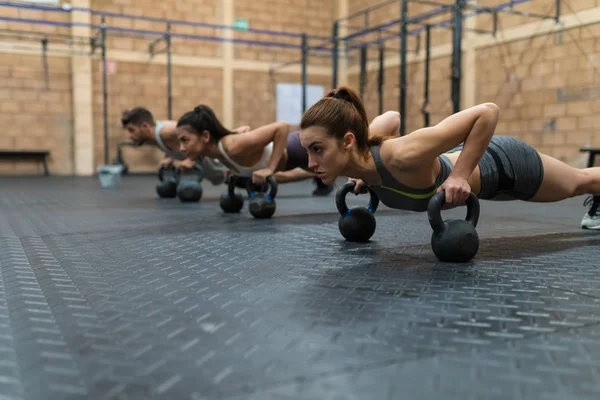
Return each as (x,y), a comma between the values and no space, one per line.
(454,240)
(230,201)
(166,187)
(262,204)
(356,224)
(190,190)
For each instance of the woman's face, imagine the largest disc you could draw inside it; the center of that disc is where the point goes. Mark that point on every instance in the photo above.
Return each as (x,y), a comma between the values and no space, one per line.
(327,156)
(194,146)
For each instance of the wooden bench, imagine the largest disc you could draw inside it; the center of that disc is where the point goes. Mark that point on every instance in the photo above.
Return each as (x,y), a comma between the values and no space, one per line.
(39,155)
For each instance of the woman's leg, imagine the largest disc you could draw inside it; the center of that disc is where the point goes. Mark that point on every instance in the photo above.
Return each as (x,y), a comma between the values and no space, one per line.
(562,181)
(293,175)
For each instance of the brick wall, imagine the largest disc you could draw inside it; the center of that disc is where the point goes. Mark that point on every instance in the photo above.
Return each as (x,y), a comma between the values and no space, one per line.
(20,17)
(255,95)
(548,89)
(314,17)
(545,7)
(36,116)
(440,105)
(193,12)
(389,34)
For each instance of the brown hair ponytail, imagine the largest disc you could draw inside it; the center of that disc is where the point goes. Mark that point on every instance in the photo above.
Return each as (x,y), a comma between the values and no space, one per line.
(204,118)
(340,111)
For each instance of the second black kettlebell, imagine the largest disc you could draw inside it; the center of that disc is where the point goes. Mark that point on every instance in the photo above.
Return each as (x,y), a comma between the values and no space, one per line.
(454,240)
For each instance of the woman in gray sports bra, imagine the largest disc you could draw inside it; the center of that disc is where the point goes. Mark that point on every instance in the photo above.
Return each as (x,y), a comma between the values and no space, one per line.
(459,155)
(270,148)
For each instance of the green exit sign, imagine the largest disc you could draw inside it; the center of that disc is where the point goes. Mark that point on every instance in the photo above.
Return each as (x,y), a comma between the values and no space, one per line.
(241,24)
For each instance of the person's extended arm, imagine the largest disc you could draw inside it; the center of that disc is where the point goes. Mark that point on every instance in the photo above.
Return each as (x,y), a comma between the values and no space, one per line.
(386,124)
(474,127)
(277,133)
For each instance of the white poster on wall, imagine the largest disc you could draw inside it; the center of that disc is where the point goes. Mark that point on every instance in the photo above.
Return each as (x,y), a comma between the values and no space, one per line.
(289,100)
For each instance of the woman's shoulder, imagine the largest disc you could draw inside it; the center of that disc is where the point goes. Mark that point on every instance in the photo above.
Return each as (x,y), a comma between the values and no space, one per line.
(394,152)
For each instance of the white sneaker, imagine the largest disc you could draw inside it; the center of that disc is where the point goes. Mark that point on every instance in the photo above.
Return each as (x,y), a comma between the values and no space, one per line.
(591,219)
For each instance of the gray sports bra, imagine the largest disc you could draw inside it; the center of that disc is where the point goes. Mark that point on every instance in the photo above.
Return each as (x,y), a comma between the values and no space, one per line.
(396,195)
(176,155)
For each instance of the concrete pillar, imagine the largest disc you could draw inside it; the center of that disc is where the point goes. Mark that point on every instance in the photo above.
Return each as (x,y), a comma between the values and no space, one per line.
(343,64)
(83,121)
(228,60)
(469,64)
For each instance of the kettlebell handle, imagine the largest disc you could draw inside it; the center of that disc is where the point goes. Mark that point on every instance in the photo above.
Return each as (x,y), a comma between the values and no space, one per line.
(434,210)
(231,181)
(161,172)
(197,168)
(271,182)
(340,198)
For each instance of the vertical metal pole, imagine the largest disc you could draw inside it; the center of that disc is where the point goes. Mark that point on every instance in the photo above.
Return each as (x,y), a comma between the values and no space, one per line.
(363,70)
(427,63)
(557,17)
(495,15)
(380,79)
(457,55)
(45,61)
(403,35)
(336,30)
(104,89)
(304,74)
(169,73)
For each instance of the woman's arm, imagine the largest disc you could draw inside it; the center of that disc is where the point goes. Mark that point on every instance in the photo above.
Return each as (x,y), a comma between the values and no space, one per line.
(386,124)
(474,126)
(277,133)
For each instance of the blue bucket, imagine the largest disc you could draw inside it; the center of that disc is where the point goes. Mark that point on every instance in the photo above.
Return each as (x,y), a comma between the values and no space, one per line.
(109,175)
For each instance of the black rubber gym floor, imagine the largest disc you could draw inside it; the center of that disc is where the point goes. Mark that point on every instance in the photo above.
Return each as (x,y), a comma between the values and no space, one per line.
(115,294)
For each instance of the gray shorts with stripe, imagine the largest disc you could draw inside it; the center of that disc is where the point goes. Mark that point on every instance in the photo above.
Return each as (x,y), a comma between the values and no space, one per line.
(509,166)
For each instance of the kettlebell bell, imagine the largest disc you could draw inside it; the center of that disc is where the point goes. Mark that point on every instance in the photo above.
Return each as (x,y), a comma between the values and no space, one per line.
(356,224)
(262,204)
(190,190)
(454,240)
(230,201)
(166,187)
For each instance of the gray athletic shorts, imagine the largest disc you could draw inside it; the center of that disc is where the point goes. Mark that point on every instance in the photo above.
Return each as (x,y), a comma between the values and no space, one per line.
(509,166)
